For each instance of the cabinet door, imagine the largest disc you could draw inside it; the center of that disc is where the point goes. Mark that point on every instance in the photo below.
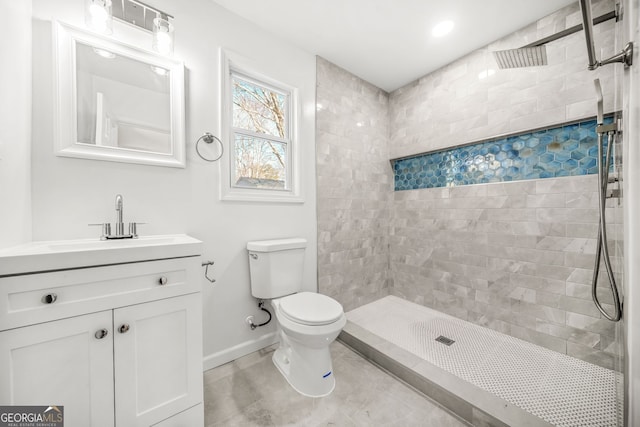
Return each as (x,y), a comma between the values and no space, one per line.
(61,363)
(157,359)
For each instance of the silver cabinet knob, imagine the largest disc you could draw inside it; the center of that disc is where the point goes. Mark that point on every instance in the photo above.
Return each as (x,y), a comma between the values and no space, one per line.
(101,333)
(123,328)
(49,298)
(163,280)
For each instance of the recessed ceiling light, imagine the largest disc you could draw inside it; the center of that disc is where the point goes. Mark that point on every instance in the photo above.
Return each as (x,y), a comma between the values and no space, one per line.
(442,29)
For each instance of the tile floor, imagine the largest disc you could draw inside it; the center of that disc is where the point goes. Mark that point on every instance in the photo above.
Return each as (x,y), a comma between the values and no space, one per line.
(251,392)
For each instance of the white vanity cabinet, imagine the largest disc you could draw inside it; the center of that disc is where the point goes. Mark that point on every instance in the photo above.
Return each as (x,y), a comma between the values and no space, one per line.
(61,363)
(116,345)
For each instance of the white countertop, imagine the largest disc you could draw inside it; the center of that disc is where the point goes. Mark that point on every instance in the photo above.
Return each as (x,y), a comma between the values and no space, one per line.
(64,254)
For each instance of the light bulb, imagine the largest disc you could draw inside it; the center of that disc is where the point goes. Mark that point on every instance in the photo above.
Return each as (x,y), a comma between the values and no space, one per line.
(162,36)
(98,15)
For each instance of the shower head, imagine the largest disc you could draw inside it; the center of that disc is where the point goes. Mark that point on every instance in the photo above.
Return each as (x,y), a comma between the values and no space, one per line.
(523,57)
(535,54)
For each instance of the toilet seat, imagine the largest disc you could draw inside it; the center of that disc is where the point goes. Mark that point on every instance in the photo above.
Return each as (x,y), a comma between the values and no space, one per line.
(312,309)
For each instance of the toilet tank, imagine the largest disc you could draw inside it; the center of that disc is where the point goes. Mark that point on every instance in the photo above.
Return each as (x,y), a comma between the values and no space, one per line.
(276,267)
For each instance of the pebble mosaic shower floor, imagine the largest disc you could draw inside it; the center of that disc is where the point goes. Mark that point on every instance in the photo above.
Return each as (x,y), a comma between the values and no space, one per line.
(566,150)
(559,389)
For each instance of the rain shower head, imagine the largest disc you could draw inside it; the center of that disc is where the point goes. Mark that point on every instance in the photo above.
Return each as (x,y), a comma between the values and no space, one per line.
(523,57)
(535,54)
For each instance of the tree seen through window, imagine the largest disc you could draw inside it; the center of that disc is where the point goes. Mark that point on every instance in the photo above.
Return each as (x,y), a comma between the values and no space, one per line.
(261,135)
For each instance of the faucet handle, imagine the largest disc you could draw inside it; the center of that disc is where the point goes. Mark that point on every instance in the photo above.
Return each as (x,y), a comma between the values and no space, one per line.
(106,229)
(133,228)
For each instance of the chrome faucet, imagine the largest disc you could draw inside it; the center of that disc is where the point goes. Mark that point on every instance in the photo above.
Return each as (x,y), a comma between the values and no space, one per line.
(119,229)
(119,223)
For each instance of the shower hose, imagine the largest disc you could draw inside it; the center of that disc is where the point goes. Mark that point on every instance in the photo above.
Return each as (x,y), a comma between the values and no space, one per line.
(602,245)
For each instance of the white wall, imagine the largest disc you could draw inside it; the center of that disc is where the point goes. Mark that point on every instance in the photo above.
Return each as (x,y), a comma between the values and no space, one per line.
(15,123)
(70,193)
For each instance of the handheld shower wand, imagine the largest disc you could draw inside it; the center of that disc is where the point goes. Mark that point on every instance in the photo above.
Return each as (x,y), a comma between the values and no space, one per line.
(602,248)
(600,102)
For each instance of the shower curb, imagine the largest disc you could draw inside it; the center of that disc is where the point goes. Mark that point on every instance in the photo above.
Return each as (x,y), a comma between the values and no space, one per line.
(467,401)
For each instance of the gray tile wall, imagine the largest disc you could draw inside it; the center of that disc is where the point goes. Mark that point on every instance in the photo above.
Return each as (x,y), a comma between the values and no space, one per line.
(355,187)
(515,257)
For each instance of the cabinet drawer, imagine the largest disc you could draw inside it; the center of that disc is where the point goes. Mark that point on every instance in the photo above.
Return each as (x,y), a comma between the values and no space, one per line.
(35,298)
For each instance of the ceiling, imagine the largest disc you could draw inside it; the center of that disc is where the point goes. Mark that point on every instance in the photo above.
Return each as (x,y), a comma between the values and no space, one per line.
(388,42)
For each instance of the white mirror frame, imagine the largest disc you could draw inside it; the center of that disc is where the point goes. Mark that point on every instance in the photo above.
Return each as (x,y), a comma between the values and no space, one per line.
(65,108)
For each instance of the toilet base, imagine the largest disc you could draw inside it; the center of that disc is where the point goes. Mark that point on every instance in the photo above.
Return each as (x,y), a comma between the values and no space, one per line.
(308,370)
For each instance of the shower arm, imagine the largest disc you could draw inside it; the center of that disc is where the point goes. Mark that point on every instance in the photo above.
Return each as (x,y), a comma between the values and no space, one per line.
(625,56)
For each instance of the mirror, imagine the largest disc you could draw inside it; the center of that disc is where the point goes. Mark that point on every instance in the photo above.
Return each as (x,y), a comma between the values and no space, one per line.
(116,102)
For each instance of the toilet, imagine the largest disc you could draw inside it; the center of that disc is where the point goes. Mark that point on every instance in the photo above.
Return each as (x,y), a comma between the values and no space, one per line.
(307,321)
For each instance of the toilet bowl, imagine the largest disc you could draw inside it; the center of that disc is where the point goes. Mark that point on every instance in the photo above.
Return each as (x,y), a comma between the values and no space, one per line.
(308,323)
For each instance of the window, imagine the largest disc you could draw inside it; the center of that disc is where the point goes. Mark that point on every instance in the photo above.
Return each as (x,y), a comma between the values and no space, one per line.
(260,127)
(259,117)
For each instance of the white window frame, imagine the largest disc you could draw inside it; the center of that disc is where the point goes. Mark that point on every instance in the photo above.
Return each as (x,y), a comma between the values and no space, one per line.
(232,64)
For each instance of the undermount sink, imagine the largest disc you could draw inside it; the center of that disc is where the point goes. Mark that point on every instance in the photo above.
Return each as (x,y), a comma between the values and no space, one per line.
(62,254)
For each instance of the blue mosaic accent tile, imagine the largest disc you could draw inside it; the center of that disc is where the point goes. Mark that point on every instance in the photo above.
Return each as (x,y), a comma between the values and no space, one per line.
(567,150)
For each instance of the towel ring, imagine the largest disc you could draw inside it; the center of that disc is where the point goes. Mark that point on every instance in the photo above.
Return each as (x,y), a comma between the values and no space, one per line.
(209,138)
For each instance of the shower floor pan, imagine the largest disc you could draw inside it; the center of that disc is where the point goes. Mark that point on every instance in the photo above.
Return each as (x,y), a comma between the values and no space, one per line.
(485,377)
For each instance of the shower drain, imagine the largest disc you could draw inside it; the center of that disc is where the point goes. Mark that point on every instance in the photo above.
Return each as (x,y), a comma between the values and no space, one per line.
(444,340)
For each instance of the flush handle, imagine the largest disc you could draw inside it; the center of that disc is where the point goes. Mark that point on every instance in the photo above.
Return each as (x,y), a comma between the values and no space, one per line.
(101,333)
(163,280)
(253,256)
(49,298)
(123,328)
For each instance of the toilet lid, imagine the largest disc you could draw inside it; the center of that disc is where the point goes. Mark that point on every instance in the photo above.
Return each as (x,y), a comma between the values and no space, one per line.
(309,308)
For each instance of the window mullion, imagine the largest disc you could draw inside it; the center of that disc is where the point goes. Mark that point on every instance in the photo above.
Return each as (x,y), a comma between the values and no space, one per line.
(259,135)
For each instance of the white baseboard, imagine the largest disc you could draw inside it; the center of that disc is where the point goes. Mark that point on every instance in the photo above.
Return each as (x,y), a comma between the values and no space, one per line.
(227,355)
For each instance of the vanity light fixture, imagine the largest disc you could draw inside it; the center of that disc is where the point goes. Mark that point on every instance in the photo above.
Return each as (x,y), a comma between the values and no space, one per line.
(442,29)
(98,15)
(146,17)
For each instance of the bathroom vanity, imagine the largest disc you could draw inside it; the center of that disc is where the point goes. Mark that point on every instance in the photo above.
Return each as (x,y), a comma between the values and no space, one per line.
(111,330)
